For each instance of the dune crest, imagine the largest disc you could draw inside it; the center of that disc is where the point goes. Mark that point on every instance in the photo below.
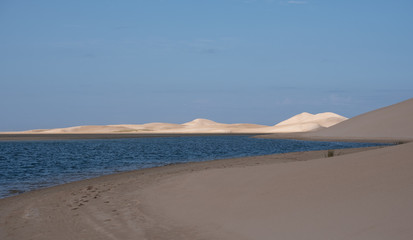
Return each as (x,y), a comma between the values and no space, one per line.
(307,122)
(201,122)
(326,119)
(302,117)
(392,122)
(303,122)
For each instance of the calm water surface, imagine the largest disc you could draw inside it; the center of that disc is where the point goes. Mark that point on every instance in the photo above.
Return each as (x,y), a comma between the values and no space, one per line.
(29,165)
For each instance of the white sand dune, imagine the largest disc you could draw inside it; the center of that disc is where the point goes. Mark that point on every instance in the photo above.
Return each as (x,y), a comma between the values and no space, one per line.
(161,126)
(307,122)
(82,129)
(325,120)
(201,122)
(149,127)
(303,122)
(294,128)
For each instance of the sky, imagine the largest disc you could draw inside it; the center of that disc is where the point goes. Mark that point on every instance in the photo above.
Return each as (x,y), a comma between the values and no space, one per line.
(70,63)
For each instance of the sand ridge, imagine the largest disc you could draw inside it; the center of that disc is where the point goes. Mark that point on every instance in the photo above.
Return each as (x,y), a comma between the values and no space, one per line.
(326,119)
(391,122)
(303,122)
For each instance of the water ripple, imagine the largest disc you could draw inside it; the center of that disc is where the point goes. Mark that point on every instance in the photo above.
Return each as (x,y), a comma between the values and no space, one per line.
(28,165)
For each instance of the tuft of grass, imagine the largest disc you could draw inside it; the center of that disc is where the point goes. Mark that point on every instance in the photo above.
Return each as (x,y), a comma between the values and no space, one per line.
(330,153)
(15,191)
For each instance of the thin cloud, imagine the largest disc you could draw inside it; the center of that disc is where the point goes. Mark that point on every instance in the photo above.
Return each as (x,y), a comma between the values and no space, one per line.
(259,1)
(209,51)
(336,99)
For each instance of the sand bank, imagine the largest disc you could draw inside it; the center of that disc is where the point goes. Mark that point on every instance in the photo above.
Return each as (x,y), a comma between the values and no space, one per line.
(367,195)
(121,206)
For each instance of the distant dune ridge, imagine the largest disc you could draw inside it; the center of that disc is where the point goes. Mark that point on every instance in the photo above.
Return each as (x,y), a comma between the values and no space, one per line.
(326,119)
(303,122)
(306,122)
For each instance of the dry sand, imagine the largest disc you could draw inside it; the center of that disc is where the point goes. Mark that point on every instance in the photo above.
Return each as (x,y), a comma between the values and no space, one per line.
(393,124)
(358,195)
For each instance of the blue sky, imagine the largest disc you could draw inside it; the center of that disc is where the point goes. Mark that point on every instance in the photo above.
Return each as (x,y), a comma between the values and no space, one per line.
(67,63)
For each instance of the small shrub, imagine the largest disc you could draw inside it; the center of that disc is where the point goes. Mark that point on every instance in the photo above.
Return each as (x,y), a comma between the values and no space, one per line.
(330,153)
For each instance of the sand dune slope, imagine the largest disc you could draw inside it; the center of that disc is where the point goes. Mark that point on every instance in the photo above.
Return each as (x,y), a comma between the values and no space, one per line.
(201,122)
(362,196)
(306,122)
(149,127)
(303,122)
(295,128)
(392,122)
(84,129)
(326,119)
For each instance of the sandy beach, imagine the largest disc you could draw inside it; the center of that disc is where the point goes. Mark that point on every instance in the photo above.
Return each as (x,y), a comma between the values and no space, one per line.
(116,206)
(357,194)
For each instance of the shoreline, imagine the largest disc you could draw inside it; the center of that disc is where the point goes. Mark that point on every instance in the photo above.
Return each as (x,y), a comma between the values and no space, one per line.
(338,151)
(63,137)
(17,191)
(125,205)
(96,136)
(62,208)
(218,163)
(305,137)
(86,136)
